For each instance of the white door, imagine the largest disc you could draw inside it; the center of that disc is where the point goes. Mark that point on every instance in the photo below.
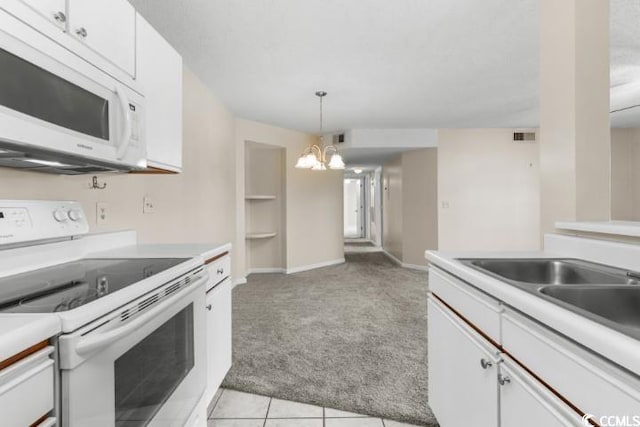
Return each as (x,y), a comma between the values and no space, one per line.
(108,27)
(353,208)
(159,71)
(54,11)
(463,368)
(524,402)
(218,321)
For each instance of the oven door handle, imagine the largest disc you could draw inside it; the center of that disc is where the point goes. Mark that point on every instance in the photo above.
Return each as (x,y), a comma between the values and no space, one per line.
(95,342)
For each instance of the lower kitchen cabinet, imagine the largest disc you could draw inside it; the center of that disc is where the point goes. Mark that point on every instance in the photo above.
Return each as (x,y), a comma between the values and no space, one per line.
(472,383)
(218,304)
(463,387)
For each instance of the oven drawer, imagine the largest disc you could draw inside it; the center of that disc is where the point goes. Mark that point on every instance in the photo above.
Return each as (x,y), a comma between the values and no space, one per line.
(219,270)
(26,389)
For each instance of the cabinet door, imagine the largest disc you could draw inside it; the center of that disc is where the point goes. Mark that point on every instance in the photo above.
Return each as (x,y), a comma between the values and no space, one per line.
(108,27)
(159,72)
(218,335)
(524,402)
(463,388)
(54,11)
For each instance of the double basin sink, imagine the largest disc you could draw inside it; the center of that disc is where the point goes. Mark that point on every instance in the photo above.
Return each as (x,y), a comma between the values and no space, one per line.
(608,295)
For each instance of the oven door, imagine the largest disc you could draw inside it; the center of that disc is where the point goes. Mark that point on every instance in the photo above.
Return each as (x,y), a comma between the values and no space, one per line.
(147,370)
(52,101)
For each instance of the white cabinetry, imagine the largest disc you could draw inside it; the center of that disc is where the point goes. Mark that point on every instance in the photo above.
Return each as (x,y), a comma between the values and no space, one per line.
(54,11)
(218,305)
(524,402)
(106,26)
(159,72)
(463,390)
(26,389)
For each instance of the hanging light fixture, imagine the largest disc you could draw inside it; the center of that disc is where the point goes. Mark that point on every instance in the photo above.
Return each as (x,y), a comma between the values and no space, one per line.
(315,156)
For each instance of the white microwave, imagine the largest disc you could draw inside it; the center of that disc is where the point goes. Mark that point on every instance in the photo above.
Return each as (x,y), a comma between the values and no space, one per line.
(61,114)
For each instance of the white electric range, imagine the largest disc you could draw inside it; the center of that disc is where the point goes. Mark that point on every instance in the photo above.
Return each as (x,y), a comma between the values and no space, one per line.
(132,348)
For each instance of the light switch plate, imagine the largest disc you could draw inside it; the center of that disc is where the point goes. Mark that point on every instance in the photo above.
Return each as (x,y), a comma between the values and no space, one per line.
(102,213)
(148,205)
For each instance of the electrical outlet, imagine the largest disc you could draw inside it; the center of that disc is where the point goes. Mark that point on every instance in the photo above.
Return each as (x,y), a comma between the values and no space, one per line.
(445,205)
(102,213)
(148,205)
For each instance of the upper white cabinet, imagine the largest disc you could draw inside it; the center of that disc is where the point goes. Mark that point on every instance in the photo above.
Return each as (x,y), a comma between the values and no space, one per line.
(106,26)
(55,11)
(159,72)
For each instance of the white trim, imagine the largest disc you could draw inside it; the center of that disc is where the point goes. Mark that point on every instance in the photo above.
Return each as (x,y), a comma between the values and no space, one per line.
(240,281)
(348,240)
(619,228)
(265,270)
(404,264)
(314,266)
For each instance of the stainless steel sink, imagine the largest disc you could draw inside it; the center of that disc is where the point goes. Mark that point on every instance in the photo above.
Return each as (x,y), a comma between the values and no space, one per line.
(619,305)
(605,294)
(551,271)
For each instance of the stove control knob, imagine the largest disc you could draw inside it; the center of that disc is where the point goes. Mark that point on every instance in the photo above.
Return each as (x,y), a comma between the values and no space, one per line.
(60,215)
(75,215)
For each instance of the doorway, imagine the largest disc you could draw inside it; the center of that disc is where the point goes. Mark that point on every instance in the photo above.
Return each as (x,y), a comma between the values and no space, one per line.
(354,223)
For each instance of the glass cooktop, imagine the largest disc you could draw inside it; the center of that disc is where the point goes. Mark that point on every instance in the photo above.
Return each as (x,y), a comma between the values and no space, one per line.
(67,286)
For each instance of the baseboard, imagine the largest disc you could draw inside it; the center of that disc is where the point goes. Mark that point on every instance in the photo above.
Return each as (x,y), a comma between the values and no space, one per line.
(240,281)
(266,270)
(404,264)
(314,266)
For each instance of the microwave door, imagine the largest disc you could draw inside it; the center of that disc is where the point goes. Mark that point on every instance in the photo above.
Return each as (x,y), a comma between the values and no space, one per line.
(54,102)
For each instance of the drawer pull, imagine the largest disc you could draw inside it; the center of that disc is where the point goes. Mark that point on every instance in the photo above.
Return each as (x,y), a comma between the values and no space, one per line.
(220,270)
(60,17)
(209,307)
(82,32)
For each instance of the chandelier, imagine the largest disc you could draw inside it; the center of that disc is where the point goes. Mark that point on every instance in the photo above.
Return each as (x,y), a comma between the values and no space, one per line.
(316,157)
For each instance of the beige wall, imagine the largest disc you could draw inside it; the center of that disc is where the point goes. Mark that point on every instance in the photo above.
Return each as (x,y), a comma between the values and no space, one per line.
(392,232)
(625,175)
(313,199)
(195,206)
(488,191)
(420,204)
(410,214)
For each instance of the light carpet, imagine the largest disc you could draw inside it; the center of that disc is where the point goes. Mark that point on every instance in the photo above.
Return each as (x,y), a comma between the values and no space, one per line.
(351,336)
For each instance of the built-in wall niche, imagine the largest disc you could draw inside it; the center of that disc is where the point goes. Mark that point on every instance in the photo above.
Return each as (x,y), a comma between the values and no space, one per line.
(265,207)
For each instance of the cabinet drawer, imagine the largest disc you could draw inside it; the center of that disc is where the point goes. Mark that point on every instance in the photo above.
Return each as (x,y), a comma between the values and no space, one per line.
(592,384)
(475,306)
(219,270)
(26,389)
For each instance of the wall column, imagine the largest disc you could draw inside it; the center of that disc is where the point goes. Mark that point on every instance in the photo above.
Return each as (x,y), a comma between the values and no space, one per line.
(575,142)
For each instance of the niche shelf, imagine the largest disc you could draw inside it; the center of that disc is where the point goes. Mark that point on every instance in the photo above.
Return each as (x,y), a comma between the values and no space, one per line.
(267,235)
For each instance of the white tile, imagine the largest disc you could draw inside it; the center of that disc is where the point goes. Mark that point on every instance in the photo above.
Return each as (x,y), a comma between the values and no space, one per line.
(294,422)
(287,409)
(390,423)
(336,413)
(213,402)
(235,404)
(235,423)
(353,422)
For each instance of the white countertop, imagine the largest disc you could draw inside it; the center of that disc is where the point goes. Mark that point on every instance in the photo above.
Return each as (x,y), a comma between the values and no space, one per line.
(204,250)
(618,228)
(18,332)
(609,343)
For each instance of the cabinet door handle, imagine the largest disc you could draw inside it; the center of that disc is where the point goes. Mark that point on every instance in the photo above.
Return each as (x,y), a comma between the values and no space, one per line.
(486,364)
(82,32)
(60,17)
(504,379)
(220,270)
(209,307)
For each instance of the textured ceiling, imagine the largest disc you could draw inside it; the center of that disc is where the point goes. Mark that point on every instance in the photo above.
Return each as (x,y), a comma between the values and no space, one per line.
(385,64)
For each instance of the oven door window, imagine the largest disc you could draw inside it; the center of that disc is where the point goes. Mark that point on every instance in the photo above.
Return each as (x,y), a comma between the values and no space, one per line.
(147,374)
(31,90)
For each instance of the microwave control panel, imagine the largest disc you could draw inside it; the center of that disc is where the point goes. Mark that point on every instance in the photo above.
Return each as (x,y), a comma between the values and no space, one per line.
(31,220)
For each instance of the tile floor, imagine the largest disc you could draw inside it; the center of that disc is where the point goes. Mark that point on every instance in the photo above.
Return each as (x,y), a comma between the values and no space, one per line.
(231,408)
